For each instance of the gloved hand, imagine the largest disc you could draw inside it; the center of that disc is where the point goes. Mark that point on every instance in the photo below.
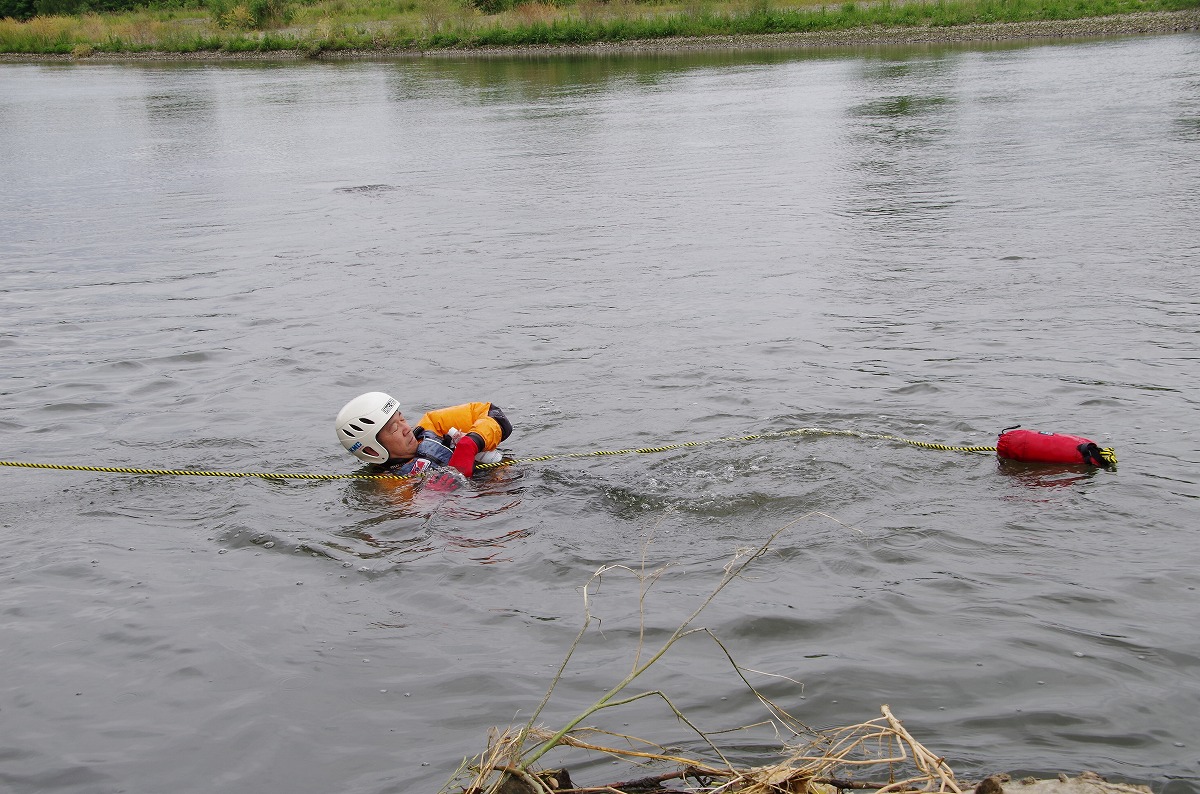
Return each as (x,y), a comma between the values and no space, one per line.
(441,480)
(465,451)
(489,456)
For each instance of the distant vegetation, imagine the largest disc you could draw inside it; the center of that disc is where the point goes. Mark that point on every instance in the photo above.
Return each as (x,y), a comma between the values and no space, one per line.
(84,27)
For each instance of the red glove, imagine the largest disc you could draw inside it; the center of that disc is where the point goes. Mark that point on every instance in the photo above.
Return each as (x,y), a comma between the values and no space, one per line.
(441,480)
(465,451)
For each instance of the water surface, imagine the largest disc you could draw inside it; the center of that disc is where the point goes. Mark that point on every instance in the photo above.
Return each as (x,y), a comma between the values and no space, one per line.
(201,263)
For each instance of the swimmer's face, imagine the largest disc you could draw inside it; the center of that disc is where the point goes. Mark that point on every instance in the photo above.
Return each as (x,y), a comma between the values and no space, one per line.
(397,438)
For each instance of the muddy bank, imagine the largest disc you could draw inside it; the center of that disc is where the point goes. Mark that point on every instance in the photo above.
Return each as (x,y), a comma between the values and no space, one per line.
(1098,27)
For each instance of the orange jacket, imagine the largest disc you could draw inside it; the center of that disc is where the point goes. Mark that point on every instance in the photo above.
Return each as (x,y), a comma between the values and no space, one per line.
(480,418)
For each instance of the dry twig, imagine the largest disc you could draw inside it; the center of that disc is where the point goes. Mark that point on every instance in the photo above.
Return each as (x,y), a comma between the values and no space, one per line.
(830,761)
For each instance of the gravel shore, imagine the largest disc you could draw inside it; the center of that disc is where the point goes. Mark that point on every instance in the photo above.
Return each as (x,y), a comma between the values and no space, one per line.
(1097,27)
(1072,29)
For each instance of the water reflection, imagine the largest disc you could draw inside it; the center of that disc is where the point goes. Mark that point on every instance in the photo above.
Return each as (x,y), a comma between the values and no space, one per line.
(1044,475)
(403,520)
(897,131)
(538,78)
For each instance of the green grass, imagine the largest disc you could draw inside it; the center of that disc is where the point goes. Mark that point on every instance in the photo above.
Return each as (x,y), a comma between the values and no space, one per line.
(329,25)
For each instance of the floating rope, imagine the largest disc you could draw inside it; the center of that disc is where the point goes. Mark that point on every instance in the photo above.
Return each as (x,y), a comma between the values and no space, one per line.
(197,472)
(801,431)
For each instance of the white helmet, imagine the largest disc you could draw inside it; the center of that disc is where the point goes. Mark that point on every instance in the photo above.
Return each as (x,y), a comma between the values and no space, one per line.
(360,420)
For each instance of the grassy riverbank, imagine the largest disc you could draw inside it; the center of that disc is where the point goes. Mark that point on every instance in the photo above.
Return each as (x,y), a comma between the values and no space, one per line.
(315,27)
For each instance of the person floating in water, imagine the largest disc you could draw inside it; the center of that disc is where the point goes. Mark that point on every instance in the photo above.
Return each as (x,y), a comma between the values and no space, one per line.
(372,428)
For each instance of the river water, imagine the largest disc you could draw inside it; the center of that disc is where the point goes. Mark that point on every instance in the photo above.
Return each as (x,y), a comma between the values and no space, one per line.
(201,263)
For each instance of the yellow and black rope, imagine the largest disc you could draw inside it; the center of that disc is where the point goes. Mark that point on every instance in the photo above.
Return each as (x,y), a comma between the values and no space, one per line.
(195,472)
(800,431)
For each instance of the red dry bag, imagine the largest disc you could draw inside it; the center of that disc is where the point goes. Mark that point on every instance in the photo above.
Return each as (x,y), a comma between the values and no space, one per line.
(1041,446)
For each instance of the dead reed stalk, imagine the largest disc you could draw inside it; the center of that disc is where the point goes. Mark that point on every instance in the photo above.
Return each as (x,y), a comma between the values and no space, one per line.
(879,754)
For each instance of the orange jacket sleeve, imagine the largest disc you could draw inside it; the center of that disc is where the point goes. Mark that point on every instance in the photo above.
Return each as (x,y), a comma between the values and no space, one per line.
(466,418)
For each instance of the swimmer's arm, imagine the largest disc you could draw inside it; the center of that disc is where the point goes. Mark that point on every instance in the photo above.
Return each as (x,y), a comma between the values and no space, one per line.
(469,418)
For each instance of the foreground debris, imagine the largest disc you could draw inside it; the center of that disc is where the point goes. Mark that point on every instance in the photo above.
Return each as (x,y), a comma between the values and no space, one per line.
(879,755)
(559,782)
(879,746)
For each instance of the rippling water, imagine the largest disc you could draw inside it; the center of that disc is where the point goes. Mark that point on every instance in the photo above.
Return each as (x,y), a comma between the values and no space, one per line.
(200,264)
